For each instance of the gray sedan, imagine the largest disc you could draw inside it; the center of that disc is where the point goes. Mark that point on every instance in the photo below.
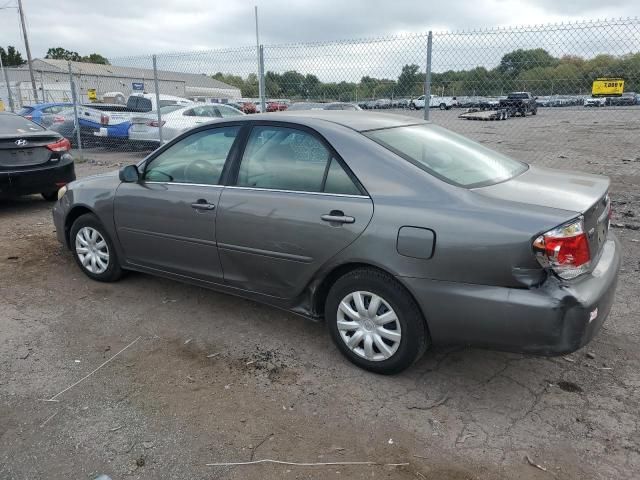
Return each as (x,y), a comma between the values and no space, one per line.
(398,233)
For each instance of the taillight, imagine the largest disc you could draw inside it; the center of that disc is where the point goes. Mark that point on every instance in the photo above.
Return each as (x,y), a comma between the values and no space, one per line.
(63,145)
(564,249)
(154,123)
(104,119)
(58,119)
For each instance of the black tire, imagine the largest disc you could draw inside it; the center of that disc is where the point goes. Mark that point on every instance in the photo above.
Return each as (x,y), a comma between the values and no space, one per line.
(443,106)
(51,196)
(412,106)
(113,271)
(534,111)
(415,337)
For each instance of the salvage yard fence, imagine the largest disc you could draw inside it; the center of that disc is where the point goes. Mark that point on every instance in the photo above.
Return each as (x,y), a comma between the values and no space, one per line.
(466,70)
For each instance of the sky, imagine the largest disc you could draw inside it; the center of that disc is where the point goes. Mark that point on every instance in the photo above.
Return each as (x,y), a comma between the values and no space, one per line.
(129,27)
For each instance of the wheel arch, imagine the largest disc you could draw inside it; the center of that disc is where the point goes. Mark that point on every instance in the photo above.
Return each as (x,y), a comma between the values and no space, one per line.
(76,212)
(322,286)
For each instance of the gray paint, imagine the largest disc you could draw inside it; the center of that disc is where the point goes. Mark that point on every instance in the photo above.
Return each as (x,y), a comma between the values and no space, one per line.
(481,286)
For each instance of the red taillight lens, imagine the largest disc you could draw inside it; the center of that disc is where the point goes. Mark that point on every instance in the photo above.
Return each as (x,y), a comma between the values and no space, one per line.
(29,117)
(154,123)
(63,145)
(564,249)
(58,119)
(104,119)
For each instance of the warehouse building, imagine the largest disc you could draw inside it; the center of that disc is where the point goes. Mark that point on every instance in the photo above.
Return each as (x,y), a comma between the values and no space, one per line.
(109,82)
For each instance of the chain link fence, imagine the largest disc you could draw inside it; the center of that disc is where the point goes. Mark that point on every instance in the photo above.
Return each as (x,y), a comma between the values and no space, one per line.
(135,103)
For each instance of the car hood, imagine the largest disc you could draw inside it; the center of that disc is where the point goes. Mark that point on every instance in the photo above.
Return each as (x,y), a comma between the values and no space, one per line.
(548,187)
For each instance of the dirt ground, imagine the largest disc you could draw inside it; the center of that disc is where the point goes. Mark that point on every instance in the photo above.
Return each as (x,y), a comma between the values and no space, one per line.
(213,378)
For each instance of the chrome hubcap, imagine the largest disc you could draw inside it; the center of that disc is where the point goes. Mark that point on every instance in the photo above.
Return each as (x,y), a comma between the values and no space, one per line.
(92,250)
(368,326)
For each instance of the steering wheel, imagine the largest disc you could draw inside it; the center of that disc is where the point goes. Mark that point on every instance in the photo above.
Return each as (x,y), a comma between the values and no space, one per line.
(198,171)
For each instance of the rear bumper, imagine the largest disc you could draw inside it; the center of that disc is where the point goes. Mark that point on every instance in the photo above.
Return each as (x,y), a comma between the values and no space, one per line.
(37,179)
(553,319)
(152,137)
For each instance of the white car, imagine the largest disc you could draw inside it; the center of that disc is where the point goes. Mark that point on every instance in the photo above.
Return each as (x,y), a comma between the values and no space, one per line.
(595,102)
(443,103)
(176,119)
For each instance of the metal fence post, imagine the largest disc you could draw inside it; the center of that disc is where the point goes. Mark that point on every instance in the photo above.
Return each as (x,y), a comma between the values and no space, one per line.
(155,82)
(74,98)
(427,79)
(261,83)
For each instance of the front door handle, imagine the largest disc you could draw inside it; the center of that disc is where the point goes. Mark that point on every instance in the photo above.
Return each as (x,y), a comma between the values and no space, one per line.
(202,204)
(337,216)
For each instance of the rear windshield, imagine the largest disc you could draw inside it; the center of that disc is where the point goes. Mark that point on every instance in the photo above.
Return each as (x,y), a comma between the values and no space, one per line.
(447,155)
(15,124)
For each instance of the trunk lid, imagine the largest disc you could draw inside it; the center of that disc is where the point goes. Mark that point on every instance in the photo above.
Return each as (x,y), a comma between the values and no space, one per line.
(28,149)
(582,193)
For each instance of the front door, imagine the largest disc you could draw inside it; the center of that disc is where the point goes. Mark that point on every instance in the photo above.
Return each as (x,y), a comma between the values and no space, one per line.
(293,207)
(167,221)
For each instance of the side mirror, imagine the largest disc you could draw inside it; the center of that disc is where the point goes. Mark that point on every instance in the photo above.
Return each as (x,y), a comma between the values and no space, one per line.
(129,174)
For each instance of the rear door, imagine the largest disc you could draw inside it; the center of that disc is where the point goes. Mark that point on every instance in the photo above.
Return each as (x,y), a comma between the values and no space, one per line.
(293,206)
(167,220)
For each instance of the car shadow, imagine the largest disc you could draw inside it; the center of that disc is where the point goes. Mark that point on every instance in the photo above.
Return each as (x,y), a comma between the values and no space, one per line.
(24,204)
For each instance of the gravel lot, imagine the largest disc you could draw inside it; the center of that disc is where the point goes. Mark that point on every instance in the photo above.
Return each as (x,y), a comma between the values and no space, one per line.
(214,378)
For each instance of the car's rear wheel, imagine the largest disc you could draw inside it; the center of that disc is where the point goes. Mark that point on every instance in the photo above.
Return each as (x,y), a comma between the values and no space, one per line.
(93,249)
(443,106)
(375,322)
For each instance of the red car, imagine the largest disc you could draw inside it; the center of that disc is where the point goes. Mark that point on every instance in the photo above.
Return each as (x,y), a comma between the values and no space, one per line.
(276,106)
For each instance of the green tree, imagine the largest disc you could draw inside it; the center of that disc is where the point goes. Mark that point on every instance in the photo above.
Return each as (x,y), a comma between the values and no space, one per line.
(59,53)
(410,81)
(95,58)
(11,57)
(515,62)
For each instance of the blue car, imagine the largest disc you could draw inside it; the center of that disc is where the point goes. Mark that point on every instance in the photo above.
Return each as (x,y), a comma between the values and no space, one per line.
(36,112)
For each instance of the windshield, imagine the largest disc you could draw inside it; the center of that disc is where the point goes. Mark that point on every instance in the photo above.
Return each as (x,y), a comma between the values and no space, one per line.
(169,108)
(447,155)
(517,95)
(16,125)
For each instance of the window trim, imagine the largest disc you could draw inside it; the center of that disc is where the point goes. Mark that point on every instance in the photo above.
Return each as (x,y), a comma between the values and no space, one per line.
(223,175)
(234,169)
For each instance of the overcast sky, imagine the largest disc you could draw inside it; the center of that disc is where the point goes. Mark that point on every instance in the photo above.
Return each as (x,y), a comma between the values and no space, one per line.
(128,27)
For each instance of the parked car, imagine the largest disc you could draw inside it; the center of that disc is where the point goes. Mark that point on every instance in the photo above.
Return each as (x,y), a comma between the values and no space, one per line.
(276,107)
(32,159)
(176,120)
(443,103)
(37,111)
(399,233)
(627,98)
(382,103)
(595,102)
(520,103)
(323,106)
(244,107)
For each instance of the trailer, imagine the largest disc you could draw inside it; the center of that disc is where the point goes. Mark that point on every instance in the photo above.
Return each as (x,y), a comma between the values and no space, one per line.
(486,115)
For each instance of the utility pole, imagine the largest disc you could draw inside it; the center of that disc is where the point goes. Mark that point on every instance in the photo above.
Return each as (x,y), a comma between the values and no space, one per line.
(26,46)
(6,81)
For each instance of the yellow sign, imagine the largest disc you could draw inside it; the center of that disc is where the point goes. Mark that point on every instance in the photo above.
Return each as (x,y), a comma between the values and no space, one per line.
(1,105)
(607,86)
(91,93)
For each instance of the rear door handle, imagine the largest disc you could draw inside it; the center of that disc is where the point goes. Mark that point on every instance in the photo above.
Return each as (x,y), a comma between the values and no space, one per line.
(337,216)
(202,205)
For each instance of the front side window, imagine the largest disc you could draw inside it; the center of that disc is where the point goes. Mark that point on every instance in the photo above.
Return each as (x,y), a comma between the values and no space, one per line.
(198,158)
(447,155)
(282,158)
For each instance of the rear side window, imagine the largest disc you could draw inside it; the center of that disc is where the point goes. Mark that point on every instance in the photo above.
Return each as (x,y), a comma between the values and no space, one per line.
(447,155)
(15,125)
(281,158)
(224,111)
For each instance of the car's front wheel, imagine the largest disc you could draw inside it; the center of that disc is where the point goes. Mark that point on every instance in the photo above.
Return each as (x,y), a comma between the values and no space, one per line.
(375,322)
(93,249)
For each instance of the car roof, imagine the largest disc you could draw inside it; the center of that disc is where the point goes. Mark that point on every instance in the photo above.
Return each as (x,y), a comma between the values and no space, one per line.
(355,120)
